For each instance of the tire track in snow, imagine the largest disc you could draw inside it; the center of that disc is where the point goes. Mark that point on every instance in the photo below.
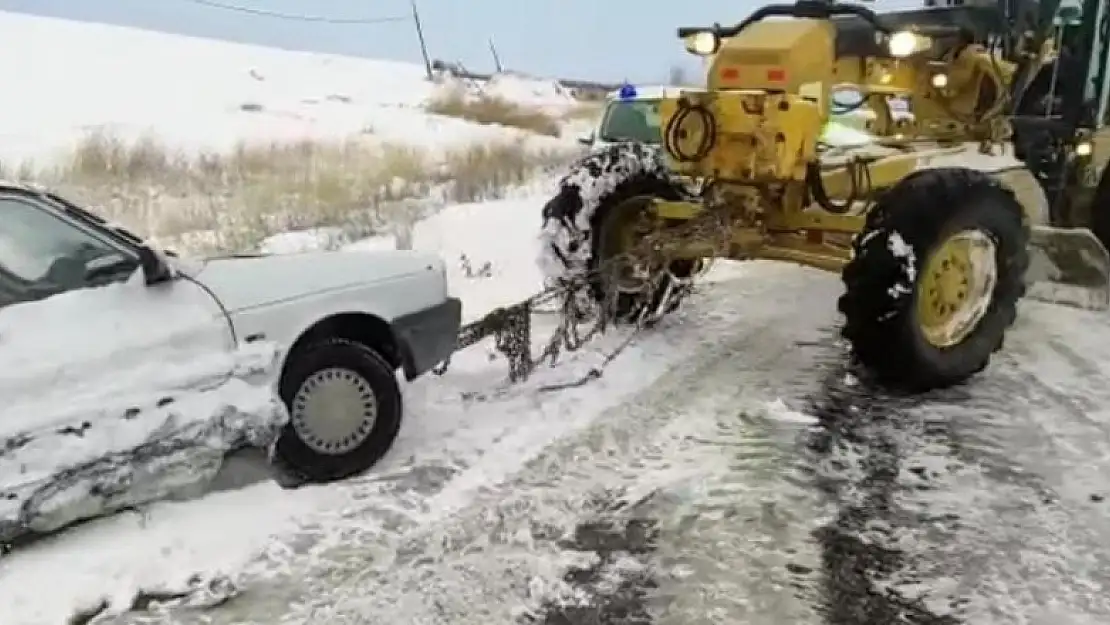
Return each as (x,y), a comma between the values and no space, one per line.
(945,508)
(961,506)
(859,457)
(749,540)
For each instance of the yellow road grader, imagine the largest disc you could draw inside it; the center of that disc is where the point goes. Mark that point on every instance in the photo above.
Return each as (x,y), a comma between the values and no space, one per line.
(939,222)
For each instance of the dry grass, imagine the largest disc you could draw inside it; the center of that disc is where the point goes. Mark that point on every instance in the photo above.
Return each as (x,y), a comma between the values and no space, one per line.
(483,109)
(231,202)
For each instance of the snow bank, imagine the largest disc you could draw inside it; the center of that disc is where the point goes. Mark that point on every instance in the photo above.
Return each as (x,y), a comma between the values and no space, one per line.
(530,91)
(524,90)
(486,269)
(163,548)
(121,395)
(496,272)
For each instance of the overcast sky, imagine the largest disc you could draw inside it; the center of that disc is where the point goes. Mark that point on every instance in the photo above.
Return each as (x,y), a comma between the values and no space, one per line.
(607,40)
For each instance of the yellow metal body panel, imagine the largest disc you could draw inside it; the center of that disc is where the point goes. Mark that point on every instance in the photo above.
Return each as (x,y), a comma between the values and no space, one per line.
(760,136)
(781,55)
(753,135)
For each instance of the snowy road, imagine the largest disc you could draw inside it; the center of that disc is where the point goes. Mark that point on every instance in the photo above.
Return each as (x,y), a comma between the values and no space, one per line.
(741,475)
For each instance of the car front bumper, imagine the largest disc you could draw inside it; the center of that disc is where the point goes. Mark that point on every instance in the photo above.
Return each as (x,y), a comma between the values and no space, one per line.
(428,337)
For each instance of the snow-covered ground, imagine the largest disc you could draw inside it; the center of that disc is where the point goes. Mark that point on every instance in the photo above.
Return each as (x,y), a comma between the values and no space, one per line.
(199,94)
(468,519)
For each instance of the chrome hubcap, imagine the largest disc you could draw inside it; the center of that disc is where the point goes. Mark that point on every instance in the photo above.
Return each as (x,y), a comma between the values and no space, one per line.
(334,411)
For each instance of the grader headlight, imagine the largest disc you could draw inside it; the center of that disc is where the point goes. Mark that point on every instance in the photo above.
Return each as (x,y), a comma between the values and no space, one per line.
(939,81)
(1083,149)
(906,43)
(704,43)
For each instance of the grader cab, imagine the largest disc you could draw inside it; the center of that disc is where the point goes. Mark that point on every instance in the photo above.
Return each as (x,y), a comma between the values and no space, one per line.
(938,223)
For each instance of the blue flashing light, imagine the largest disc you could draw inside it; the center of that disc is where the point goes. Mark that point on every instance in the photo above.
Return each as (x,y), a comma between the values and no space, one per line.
(627,92)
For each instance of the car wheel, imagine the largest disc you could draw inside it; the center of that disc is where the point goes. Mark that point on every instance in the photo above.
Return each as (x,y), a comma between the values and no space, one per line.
(344,410)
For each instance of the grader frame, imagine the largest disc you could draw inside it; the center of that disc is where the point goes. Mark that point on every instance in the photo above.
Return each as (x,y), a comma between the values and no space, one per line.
(768,89)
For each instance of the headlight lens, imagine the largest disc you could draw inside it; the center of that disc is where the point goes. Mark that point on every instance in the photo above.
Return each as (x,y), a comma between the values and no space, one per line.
(704,43)
(902,44)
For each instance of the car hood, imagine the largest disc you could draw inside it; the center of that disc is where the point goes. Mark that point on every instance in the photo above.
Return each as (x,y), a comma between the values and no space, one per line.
(247,281)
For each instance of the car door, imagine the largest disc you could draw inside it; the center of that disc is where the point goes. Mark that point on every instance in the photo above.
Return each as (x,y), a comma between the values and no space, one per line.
(78,322)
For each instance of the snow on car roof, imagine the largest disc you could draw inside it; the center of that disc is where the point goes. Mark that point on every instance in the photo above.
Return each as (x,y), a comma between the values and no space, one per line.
(650,92)
(14,184)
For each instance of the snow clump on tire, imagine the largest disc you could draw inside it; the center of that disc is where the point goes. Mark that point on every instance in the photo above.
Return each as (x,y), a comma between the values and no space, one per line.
(568,218)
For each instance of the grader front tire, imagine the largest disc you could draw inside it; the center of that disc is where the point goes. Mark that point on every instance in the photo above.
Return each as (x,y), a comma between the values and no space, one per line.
(935,279)
(603,198)
(615,232)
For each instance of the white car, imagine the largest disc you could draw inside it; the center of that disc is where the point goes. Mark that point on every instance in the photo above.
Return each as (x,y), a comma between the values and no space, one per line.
(128,373)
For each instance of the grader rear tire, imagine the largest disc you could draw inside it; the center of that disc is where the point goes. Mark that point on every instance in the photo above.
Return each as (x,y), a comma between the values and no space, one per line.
(935,279)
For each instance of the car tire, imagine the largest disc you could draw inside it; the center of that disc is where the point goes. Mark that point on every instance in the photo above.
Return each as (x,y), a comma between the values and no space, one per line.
(345,409)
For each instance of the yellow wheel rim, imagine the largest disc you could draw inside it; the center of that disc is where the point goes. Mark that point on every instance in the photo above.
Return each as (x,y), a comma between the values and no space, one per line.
(955,288)
(624,231)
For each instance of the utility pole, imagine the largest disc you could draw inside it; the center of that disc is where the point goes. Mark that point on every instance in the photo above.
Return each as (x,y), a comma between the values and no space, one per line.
(496,59)
(420,37)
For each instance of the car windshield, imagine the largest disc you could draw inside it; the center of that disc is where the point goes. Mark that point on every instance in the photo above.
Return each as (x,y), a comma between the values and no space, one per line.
(31,239)
(96,221)
(631,120)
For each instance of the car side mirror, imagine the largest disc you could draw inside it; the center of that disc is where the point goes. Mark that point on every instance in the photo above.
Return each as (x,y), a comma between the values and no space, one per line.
(156,269)
(586,139)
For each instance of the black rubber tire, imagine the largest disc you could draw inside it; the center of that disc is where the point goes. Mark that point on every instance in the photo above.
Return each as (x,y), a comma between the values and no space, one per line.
(923,209)
(311,465)
(628,307)
(612,176)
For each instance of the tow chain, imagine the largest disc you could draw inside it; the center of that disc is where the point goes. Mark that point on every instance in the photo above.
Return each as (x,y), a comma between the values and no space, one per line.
(581,319)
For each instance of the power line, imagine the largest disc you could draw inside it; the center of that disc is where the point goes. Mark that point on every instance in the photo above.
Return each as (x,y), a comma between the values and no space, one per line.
(298,18)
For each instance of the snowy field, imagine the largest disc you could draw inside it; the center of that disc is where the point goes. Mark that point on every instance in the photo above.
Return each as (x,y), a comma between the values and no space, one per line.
(211,147)
(209,95)
(725,469)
